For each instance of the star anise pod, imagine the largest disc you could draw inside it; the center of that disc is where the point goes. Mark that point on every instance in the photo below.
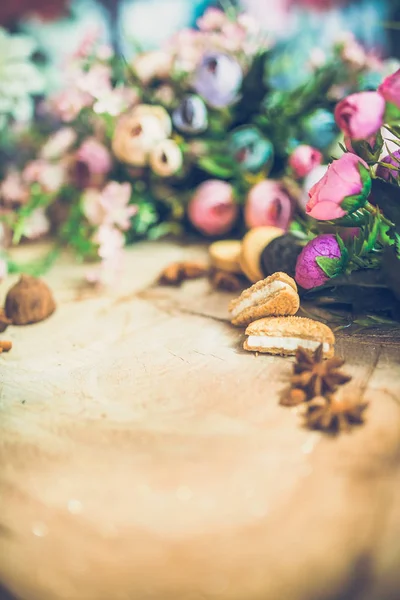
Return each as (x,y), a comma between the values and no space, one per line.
(316,376)
(293,397)
(331,414)
(178,272)
(228,282)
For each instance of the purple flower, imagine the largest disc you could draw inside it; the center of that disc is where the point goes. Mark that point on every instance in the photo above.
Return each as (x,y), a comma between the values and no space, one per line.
(308,272)
(218,79)
(386,173)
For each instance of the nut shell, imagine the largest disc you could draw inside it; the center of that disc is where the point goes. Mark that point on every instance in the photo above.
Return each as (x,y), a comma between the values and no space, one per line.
(29,301)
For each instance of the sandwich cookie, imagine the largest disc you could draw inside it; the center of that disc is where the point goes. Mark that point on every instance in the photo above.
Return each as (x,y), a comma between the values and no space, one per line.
(225,255)
(284,335)
(253,244)
(274,296)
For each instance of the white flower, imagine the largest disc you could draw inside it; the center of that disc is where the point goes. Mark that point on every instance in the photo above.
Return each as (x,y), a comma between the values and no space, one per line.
(36,225)
(19,77)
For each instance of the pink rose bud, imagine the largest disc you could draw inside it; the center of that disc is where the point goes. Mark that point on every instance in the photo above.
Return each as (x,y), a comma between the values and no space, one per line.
(390,89)
(343,189)
(304,159)
(309,274)
(360,115)
(268,204)
(212,209)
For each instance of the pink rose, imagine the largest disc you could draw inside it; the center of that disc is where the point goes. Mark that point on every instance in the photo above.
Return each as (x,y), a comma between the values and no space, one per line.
(390,89)
(304,159)
(268,204)
(96,157)
(212,210)
(360,115)
(343,189)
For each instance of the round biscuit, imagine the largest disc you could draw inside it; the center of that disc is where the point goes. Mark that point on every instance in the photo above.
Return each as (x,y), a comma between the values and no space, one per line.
(225,255)
(253,244)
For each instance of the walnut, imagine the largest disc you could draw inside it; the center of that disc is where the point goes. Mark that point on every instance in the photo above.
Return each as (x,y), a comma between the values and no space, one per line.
(29,301)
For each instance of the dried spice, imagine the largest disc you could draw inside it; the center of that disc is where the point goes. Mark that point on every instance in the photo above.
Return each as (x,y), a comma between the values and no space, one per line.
(293,397)
(29,301)
(332,414)
(178,272)
(316,376)
(4,321)
(5,346)
(228,282)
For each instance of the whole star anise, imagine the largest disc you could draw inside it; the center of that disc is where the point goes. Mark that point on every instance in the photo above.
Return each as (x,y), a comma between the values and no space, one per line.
(316,376)
(331,414)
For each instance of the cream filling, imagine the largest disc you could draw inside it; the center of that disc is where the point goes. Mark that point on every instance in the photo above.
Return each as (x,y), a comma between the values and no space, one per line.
(283,343)
(258,297)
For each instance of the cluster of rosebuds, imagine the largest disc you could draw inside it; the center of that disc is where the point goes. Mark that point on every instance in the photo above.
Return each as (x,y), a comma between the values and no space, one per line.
(369,121)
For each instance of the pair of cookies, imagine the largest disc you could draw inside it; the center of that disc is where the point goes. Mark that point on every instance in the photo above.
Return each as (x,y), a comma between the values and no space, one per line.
(267,308)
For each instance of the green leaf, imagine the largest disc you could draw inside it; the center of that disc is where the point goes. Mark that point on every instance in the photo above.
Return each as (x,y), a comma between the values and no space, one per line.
(392,113)
(352,203)
(330,266)
(209,164)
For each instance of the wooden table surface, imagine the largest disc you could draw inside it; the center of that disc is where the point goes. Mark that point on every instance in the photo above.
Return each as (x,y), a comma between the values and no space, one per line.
(144,455)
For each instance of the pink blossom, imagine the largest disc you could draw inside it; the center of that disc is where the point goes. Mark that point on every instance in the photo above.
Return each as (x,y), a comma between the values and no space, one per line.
(346,179)
(390,89)
(115,201)
(95,155)
(87,44)
(13,190)
(96,81)
(59,143)
(360,115)
(50,176)
(69,103)
(268,204)
(110,241)
(109,207)
(354,54)
(212,210)
(304,159)
(212,20)
(36,225)
(92,206)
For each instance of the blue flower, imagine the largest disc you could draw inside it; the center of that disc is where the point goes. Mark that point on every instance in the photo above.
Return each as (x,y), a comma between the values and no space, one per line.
(218,79)
(250,149)
(191,115)
(320,129)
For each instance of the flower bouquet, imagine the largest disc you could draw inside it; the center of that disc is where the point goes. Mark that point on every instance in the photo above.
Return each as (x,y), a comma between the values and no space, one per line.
(206,136)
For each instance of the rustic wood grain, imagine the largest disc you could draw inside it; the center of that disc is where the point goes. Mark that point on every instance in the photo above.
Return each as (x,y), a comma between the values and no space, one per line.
(143,455)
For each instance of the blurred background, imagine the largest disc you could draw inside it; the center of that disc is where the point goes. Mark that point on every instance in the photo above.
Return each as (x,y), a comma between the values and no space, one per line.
(59,27)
